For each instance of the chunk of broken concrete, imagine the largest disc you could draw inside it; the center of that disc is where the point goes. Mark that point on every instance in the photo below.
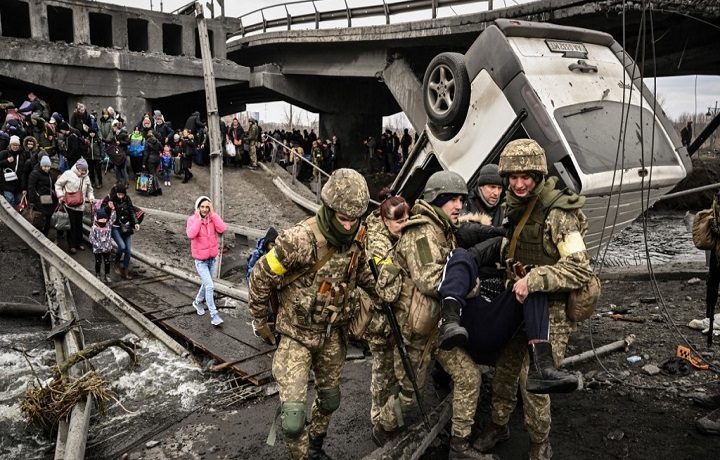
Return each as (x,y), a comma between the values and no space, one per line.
(651,369)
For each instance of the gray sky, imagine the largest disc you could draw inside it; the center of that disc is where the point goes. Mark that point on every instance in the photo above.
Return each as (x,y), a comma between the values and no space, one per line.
(678,95)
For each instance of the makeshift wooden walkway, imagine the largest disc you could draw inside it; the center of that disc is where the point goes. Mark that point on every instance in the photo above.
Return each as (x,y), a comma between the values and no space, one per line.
(169,305)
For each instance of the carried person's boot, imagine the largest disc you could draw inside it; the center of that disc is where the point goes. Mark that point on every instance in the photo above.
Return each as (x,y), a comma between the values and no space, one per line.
(540,451)
(460,449)
(452,334)
(491,436)
(543,376)
(315,450)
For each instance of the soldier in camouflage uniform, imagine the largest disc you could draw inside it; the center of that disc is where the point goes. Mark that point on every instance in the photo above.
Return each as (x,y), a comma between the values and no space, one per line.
(553,241)
(314,268)
(384,227)
(253,132)
(411,283)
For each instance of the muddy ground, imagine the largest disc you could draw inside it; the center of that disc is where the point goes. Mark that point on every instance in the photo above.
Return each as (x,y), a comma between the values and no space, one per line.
(622,411)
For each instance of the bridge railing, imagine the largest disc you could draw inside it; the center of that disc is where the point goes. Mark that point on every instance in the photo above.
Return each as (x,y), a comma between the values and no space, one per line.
(258,21)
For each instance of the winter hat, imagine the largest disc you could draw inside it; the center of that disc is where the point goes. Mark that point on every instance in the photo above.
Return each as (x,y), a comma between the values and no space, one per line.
(101,214)
(63,126)
(81,164)
(443,198)
(176,137)
(489,175)
(45,161)
(14,140)
(120,188)
(57,117)
(200,201)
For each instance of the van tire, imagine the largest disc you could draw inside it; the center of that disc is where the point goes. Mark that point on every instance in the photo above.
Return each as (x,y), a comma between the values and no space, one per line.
(446,90)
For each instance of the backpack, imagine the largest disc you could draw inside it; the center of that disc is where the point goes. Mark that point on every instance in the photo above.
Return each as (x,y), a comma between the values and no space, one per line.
(45,109)
(703,230)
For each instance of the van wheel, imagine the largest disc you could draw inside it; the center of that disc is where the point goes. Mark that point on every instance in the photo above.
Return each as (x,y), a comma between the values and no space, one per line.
(446,90)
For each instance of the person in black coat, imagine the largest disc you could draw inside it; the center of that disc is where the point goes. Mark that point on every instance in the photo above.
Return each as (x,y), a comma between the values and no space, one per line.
(125,225)
(41,192)
(12,163)
(487,195)
(193,123)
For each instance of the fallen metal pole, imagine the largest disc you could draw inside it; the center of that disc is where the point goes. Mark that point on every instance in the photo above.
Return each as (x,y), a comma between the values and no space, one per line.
(605,349)
(72,438)
(689,191)
(84,280)
(22,309)
(413,442)
(222,287)
(239,229)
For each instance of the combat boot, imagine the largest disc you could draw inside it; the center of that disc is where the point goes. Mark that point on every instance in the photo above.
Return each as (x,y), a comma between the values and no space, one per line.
(380,436)
(543,376)
(491,436)
(461,449)
(540,451)
(315,450)
(452,334)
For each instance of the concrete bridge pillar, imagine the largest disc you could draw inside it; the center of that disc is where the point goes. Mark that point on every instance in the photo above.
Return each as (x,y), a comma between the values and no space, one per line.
(81,26)
(38,21)
(188,39)
(155,37)
(350,128)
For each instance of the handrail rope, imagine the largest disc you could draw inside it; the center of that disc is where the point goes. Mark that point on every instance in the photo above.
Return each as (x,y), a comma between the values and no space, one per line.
(292,152)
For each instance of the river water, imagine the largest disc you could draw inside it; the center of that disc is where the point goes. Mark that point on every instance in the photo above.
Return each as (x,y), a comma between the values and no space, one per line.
(163,388)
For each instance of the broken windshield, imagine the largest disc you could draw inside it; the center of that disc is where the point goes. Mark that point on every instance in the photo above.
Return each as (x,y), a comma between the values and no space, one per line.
(593,128)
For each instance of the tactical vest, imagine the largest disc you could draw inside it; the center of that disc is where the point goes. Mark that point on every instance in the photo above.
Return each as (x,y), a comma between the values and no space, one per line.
(530,248)
(316,302)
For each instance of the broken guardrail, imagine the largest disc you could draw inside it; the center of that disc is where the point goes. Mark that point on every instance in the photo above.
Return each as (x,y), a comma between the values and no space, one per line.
(84,280)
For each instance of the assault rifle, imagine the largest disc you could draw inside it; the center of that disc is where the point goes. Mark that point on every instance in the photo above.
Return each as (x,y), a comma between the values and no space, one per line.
(404,357)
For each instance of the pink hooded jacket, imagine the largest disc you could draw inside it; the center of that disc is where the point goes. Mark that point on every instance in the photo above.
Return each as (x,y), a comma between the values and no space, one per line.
(203,235)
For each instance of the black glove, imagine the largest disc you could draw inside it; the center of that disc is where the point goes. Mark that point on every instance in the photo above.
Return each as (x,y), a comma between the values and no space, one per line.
(487,254)
(471,233)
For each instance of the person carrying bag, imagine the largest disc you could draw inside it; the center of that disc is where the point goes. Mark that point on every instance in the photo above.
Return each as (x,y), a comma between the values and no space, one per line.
(73,190)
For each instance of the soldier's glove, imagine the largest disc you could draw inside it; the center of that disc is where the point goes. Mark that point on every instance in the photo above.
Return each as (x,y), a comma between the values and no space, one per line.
(261,329)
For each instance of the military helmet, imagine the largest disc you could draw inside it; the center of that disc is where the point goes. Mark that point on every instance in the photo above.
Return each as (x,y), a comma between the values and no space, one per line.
(522,156)
(444,182)
(347,192)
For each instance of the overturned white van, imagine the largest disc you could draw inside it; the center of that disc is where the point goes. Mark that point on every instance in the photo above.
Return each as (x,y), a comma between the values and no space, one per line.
(576,92)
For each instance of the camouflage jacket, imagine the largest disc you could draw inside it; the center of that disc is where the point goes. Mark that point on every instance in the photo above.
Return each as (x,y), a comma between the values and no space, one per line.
(306,314)
(563,232)
(419,259)
(379,245)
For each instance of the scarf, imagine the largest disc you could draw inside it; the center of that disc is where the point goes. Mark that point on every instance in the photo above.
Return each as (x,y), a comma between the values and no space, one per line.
(332,229)
(447,224)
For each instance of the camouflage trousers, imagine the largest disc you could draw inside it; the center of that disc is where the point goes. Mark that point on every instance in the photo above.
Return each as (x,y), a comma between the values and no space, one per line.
(291,368)
(420,350)
(466,378)
(382,378)
(512,369)
(253,153)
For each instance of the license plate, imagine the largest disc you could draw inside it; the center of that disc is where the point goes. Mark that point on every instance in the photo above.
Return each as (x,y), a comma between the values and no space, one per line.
(564,47)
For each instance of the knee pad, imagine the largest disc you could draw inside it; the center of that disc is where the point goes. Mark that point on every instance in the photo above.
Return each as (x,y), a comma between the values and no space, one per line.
(292,418)
(328,400)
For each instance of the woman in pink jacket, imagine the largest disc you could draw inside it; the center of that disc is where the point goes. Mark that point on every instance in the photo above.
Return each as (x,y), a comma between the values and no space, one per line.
(202,229)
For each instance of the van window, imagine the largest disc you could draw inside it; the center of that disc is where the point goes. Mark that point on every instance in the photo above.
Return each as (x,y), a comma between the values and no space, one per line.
(592,129)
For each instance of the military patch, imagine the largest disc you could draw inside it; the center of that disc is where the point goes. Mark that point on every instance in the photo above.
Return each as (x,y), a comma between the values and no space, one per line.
(422,246)
(571,244)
